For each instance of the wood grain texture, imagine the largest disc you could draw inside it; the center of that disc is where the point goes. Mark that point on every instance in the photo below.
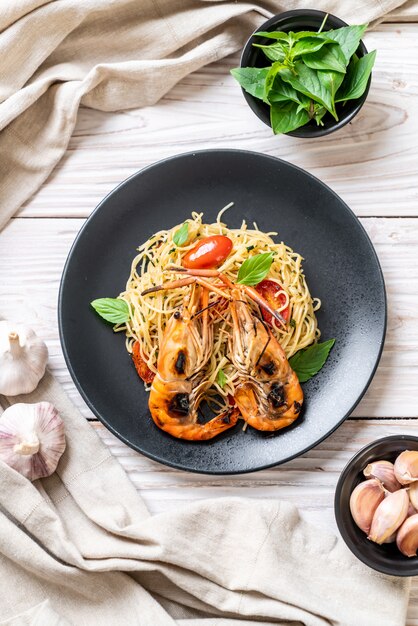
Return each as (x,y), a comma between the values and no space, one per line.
(308,482)
(371,163)
(33,252)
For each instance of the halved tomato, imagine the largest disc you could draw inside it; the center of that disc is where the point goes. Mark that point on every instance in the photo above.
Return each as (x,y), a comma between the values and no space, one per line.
(273,293)
(141,367)
(208,252)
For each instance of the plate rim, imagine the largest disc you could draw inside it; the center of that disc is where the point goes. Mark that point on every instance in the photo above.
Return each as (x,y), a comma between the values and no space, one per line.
(88,221)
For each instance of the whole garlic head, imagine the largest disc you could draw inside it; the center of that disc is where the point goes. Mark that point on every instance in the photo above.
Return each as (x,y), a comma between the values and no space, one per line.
(23,358)
(32,439)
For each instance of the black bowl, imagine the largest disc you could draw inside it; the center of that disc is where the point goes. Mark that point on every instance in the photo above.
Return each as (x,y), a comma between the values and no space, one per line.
(386,558)
(301,19)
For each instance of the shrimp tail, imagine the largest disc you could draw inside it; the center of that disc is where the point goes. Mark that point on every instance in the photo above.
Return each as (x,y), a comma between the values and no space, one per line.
(169,405)
(219,424)
(252,411)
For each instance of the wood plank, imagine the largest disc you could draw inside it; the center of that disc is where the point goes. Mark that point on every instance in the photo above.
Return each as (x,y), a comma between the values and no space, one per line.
(32,254)
(308,481)
(371,163)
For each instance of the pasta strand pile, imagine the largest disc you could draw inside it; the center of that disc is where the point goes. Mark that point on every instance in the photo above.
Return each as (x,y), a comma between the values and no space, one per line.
(151,312)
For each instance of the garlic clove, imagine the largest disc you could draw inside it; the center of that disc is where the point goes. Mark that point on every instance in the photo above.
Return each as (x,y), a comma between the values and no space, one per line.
(411,510)
(413,495)
(406,467)
(407,537)
(32,439)
(364,501)
(389,515)
(392,538)
(23,359)
(383,471)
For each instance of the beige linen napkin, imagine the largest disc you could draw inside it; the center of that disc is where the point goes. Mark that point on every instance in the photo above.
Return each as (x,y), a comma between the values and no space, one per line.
(110,55)
(80,548)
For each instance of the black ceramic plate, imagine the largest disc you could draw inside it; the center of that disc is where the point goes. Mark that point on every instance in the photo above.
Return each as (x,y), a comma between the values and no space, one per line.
(341,268)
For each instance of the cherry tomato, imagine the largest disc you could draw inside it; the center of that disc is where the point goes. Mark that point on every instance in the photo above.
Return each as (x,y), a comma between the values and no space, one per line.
(208,252)
(141,367)
(273,293)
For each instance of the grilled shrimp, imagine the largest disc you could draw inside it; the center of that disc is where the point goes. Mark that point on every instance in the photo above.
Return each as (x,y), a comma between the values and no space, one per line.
(178,387)
(269,396)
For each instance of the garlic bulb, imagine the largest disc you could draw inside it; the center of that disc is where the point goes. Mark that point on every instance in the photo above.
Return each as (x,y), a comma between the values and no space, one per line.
(23,358)
(32,439)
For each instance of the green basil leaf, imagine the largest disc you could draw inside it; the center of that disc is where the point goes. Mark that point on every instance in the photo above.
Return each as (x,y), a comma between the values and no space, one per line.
(255,269)
(303,34)
(331,81)
(307,363)
(287,116)
(112,310)
(307,45)
(271,35)
(282,92)
(251,79)
(357,78)
(308,82)
(278,96)
(181,234)
(221,379)
(274,52)
(348,37)
(270,78)
(327,58)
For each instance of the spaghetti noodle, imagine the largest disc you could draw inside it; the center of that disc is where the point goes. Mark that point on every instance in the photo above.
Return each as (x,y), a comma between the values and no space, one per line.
(151,312)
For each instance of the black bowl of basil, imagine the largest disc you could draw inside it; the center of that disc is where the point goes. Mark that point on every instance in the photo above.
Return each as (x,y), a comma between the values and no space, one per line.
(305,73)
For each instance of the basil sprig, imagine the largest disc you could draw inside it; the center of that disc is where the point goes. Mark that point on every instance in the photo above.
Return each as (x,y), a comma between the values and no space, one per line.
(113,310)
(181,235)
(306,363)
(254,269)
(310,72)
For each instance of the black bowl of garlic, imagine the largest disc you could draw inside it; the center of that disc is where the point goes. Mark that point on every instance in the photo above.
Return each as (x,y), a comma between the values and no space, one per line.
(376,505)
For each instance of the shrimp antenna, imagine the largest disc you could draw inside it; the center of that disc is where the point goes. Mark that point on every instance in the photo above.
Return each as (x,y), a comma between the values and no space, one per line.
(212,304)
(175,268)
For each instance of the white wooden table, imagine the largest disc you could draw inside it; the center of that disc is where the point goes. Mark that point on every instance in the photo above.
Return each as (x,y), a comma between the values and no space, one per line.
(371,163)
